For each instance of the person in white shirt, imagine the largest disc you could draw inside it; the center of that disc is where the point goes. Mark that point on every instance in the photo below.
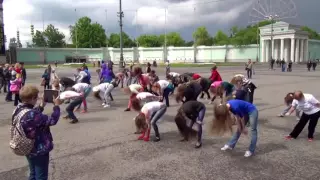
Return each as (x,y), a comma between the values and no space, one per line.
(85,89)
(290,102)
(310,108)
(148,116)
(163,88)
(146,97)
(103,91)
(133,90)
(76,101)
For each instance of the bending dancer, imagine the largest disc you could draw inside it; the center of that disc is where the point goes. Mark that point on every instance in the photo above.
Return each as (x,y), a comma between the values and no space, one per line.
(148,116)
(189,113)
(188,92)
(218,88)
(186,77)
(145,97)
(76,101)
(205,83)
(290,102)
(223,122)
(153,78)
(85,89)
(246,85)
(310,108)
(102,92)
(163,88)
(133,90)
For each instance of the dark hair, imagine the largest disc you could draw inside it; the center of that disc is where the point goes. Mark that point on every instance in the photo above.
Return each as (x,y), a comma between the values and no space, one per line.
(180,92)
(137,71)
(181,123)
(289,98)
(96,94)
(135,104)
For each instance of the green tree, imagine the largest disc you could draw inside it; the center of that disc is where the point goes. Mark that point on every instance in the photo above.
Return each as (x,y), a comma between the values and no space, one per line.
(202,37)
(149,40)
(312,34)
(173,39)
(39,39)
(85,34)
(114,40)
(189,43)
(55,38)
(221,39)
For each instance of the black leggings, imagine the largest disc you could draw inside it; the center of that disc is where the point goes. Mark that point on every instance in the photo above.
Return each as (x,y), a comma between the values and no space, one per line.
(302,123)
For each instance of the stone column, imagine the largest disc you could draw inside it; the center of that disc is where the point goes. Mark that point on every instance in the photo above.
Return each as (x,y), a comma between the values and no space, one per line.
(263,51)
(272,49)
(282,49)
(302,50)
(297,58)
(276,49)
(286,49)
(267,51)
(292,50)
(306,49)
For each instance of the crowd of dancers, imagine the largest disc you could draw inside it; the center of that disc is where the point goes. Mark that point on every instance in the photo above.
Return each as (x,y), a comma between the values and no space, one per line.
(148,95)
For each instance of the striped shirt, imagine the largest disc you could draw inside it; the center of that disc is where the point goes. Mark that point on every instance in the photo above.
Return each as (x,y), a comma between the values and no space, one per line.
(245,81)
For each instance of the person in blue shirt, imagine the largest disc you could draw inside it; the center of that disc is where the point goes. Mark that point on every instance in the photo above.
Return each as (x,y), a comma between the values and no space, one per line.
(223,122)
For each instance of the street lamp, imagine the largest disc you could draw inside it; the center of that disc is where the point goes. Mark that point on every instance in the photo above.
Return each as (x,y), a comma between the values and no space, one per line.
(120,14)
(272,18)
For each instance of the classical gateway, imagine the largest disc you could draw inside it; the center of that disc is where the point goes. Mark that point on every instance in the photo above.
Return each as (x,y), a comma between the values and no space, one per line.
(288,43)
(284,41)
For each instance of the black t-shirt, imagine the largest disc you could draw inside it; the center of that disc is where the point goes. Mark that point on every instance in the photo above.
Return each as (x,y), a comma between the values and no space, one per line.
(192,91)
(205,83)
(192,109)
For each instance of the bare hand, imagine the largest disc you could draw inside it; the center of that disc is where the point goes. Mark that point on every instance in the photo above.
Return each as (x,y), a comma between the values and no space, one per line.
(42,102)
(57,101)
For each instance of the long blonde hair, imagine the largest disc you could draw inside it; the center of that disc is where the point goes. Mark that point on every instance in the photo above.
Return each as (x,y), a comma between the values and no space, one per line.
(222,121)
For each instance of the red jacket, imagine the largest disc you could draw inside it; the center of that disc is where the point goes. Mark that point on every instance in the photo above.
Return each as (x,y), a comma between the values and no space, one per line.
(196,76)
(215,76)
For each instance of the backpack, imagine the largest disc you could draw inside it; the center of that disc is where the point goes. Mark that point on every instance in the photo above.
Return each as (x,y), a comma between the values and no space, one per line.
(19,143)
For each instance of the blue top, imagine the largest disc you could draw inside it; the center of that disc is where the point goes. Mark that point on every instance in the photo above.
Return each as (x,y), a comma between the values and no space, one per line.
(241,108)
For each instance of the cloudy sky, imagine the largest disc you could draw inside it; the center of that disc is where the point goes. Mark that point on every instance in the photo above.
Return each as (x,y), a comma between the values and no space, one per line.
(152,16)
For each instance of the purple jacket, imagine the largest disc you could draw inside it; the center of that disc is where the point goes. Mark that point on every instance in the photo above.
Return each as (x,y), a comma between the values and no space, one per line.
(37,126)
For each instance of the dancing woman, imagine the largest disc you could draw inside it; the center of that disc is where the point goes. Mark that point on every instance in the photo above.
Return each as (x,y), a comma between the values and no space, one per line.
(215,75)
(218,88)
(223,122)
(205,83)
(310,108)
(240,81)
(189,113)
(133,90)
(103,91)
(84,89)
(146,97)
(186,77)
(188,91)
(163,88)
(290,103)
(148,116)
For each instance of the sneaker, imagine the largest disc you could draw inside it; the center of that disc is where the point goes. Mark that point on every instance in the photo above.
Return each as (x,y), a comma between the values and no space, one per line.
(226,147)
(106,106)
(103,104)
(281,115)
(288,137)
(248,154)
(310,139)
(74,121)
(128,109)
(298,119)
(198,145)
(157,139)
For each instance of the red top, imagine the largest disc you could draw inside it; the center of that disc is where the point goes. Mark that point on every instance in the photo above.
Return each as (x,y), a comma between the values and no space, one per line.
(215,76)
(18,70)
(196,76)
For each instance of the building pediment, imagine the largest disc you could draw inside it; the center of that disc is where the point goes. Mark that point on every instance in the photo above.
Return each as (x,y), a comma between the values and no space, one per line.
(282,28)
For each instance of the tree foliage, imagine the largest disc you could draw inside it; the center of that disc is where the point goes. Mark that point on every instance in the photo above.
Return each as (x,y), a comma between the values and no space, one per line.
(39,40)
(51,38)
(114,41)
(312,34)
(202,37)
(85,34)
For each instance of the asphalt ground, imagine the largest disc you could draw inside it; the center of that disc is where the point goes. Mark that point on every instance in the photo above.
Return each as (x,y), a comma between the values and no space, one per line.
(102,145)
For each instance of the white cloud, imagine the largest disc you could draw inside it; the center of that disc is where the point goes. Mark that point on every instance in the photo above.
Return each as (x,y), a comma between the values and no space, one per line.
(150,16)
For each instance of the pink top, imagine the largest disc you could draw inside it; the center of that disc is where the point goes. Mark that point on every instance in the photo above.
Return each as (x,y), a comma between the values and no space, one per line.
(216,84)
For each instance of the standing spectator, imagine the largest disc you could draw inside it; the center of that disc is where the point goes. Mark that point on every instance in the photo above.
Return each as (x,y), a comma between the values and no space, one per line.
(289,69)
(249,67)
(272,63)
(215,76)
(148,69)
(283,65)
(314,65)
(309,64)
(24,73)
(7,76)
(2,80)
(167,67)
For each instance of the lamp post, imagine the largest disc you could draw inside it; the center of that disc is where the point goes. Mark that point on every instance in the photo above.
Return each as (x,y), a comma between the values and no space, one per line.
(120,14)
(272,18)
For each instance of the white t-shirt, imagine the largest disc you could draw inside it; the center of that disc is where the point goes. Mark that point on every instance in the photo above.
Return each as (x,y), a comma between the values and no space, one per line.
(294,103)
(163,84)
(80,87)
(308,105)
(151,107)
(68,94)
(174,74)
(135,88)
(144,95)
(102,87)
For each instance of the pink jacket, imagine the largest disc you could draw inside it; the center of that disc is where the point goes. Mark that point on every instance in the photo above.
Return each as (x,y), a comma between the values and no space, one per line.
(15,85)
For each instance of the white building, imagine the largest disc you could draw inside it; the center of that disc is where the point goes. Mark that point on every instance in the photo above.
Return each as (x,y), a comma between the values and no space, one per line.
(286,42)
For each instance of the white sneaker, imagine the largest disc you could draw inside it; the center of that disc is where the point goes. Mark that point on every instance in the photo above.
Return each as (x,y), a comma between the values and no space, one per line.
(226,147)
(103,104)
(248,154)
(298,119)
(106,106)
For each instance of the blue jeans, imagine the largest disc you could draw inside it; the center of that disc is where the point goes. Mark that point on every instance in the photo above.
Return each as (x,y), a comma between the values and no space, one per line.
(287,110)
(155,117)
(72,106)
(9,93)
(39,167)
(166,93)
(199,122)
(253,119)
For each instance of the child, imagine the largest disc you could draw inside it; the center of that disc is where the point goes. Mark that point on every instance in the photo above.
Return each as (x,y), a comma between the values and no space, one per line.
(223,122)
(148,116)
(102,92)
(133,90)
(290,102)
(85,89)
(163,88)
(310,108)
(76,101)
(15,86)
(46,79)
(189,113)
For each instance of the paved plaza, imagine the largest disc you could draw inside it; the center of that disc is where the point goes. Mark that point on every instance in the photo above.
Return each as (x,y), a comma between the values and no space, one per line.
(102,145)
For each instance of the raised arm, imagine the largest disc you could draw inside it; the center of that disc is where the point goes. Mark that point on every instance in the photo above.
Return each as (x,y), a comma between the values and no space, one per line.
(45,120)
